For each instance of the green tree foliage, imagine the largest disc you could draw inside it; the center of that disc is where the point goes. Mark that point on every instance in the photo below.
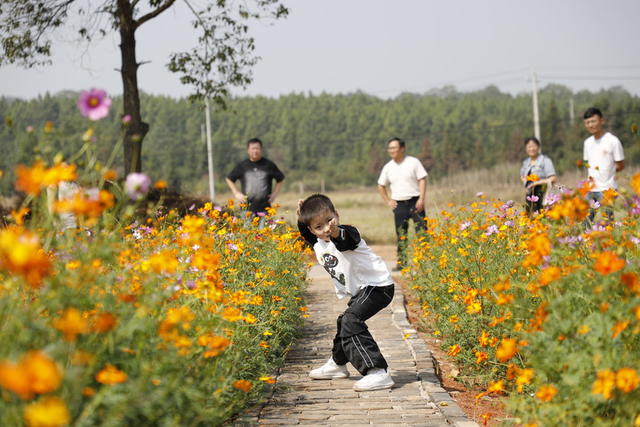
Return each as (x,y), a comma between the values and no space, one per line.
(336,138)
(222,58)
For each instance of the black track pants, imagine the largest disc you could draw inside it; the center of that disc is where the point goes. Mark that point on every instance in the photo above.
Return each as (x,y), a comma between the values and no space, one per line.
(353,342)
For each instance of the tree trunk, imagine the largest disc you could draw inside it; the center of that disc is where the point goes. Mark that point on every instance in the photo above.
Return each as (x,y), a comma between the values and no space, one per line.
(136,129)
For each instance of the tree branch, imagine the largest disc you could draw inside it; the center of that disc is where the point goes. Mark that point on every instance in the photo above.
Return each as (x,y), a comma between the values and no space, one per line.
(166,5)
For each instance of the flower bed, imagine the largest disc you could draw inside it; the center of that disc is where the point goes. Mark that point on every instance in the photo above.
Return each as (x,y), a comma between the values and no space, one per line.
(545,310)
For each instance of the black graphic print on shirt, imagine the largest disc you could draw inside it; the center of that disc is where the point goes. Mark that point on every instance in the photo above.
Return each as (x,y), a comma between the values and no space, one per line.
(329,262)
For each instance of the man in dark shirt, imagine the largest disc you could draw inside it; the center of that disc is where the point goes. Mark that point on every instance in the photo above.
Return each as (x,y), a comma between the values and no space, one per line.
(256,175)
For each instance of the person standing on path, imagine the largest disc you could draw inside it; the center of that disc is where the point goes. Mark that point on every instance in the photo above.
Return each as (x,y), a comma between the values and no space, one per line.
(256,173)
(604,156)
(407,180)
(356,272)
(537,173)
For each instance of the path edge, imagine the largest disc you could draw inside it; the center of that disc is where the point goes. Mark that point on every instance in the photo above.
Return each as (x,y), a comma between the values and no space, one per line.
(426,363)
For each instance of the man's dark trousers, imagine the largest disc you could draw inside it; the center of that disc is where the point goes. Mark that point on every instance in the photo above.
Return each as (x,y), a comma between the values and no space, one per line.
(405,211)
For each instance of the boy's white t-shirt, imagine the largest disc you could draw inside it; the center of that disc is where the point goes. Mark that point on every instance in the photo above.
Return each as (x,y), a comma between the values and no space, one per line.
(601,155)
(403,177)
(350,270)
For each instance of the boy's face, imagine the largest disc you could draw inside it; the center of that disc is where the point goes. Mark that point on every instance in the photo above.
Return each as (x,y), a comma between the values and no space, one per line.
(594,124)
(323,225)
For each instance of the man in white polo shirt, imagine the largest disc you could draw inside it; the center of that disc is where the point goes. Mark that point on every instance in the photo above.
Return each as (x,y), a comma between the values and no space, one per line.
(604,156)
(407,180)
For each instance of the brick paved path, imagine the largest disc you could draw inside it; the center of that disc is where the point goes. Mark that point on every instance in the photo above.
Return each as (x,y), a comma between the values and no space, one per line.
(417,398)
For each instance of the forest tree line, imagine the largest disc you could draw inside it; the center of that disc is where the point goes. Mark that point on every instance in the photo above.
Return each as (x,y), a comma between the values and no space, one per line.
(340,139)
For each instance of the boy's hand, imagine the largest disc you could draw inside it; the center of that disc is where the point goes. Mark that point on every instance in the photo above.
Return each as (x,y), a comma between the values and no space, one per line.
(333,228)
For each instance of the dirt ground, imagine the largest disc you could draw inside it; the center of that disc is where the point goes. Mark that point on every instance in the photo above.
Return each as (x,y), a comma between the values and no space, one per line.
(464,396)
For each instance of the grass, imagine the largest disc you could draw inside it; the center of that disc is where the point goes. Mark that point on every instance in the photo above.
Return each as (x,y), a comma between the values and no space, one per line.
(364,208)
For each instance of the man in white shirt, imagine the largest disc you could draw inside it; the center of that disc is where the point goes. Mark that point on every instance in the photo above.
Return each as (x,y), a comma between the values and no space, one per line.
(604,156)
(407,180)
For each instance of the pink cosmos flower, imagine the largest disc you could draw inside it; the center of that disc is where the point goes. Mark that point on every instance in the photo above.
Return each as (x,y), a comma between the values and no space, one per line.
(94,104)
(137,185)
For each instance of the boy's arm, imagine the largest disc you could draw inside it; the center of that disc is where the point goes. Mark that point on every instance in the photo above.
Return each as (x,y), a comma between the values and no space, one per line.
(306,234)
(348,238)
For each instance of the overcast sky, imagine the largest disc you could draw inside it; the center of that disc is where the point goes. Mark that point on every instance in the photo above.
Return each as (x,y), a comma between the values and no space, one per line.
(382,47)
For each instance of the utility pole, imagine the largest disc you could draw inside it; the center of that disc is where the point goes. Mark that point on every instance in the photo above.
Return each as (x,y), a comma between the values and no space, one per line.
(207,115)
(536,114)
(572,112)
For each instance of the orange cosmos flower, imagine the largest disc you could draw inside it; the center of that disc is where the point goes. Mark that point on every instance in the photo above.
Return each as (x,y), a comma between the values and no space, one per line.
(110,375)
(18,216)
(35,373)
(619,327)
(484,338)
(605,383)
(540,316)
(232,314)
(215,344)
(109,175)
(507,349)
(32,180)
(631,281)
(539,246)
(21,253)
(608,262)
(454,350)
(104,322)
(533,178)
(573,209)
(627,379)
(243,385)
(635,183)
(49,411)
(481,356)
(546,393)
(71,324)
(160,184)
(549,274)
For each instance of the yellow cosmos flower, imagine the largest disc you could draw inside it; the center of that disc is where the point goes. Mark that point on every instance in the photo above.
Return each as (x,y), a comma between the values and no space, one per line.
(50,411)
(21,254)
(627,379)
(605,383)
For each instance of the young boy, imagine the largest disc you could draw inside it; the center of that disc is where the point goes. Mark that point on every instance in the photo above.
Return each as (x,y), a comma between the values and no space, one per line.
(356,272)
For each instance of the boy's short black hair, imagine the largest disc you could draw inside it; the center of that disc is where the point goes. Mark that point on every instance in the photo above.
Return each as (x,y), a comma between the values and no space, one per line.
(313,206)
(592,111)
(254,141)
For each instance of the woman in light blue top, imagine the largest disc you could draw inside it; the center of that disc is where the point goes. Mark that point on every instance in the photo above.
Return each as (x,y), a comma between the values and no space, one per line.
(536,173)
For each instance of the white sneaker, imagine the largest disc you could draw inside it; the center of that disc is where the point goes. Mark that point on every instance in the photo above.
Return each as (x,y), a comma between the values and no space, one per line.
(329,370)
(376,379)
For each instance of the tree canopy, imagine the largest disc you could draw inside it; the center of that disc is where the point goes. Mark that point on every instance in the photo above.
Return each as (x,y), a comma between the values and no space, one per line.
(222,58)
(336,138)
